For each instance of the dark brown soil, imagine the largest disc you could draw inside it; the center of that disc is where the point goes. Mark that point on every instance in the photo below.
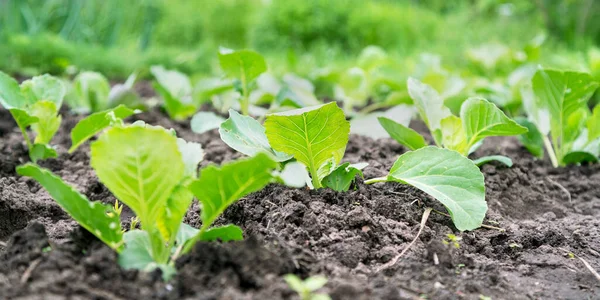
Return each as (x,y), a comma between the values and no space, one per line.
(344,236)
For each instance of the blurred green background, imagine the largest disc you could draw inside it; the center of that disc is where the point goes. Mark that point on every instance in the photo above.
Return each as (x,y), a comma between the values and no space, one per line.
(117,37)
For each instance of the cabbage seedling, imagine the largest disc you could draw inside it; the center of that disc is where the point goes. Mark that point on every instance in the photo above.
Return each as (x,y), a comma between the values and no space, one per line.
(560,119)
(155,174)
(306,288)
(91,92)
(245,66)
(478,119)
(176,91)
(35,103)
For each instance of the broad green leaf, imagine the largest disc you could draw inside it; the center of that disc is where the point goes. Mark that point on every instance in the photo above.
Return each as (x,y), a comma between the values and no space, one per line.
(314,283)
(137,255)
(593,124)
(97,218)
(482,118)
(121,94)
(453,135)
(532,139)
(175,107)
(41,151)
(243,64)
(430,105)
(95,123)
(343,176)
(185,233)
(224,233)
(23,118)
(48,121)
(499,158)
(313,135)
(563,94)
(294,174)
(192,155)
(219,187)
(536,113)
(10,93)
(205,121)
(449,177)
(295,283)
(175,83)
(91,91)
(577,157)
(246,135)
(141,166)
(44,88)
(173,212)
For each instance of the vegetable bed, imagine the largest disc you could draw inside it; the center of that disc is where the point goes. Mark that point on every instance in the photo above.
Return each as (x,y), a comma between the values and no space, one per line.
(549,219)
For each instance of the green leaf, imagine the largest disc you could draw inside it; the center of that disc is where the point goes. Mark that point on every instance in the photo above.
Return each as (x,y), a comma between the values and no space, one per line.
(48,121)
(564,94)
(246,135)
(91,92)
(593,124)
(402,134)
(343,176)
(192,155)
(295,283)
(532,139)
(137,255)
(449,177)
(99,219)
(41,151)
(219,187)
(242,64)
(177,205)
(95,123)
(313,135)
(294,174)
(578,157)
(224,233)
(430,105)
(10,93)
(314,283)
(132,163)
(499,158)
(44,88)
(453,135)
(185,233)
(205,121)
(482,118)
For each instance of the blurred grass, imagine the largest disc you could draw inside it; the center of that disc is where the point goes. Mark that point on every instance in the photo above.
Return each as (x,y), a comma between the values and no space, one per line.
(116,37)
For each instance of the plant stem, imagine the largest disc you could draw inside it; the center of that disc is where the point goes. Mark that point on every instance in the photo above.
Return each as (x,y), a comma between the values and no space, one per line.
(550,150)
(376,179)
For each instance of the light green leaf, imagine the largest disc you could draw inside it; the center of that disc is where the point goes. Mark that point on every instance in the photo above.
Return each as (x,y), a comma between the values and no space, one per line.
(132,163)
(453,135)
(532,139)
(137,255)
(10,93)
(95,123)
(402,134)
(242,64)
(205,121)
(499,158)
(175,83)
(314,283)
(219,187)
(246,135)
(176,108)
(192,155)
(97,218)
(593,124)
(185,233)
(430,105)
(224,233)
(482,118)
(173,212)
(343,176)
(41,151)
(91,92)
(369,124)
(313,135)
(294,174)
(449,177)
(44,88)
(48,121)
(295,283)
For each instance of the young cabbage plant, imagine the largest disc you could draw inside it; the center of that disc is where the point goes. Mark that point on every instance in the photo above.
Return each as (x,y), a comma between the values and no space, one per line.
(307,288)
(316,137)
(448,177)
(91,92)
(478,119)
(245,66)
(560,119)
(176,91)
(35,104)
(131,161)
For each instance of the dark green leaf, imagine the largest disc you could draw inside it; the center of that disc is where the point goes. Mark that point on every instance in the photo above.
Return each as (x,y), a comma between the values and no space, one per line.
(343,176)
